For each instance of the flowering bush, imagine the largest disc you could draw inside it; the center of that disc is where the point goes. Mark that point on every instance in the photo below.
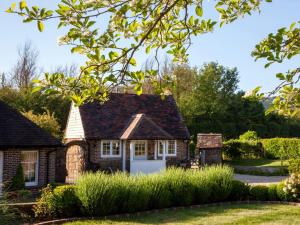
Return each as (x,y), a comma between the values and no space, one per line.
(292,186)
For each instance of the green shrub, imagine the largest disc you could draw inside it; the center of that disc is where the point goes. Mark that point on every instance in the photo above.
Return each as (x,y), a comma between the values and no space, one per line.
(57,202)
(272,192)
(201,186)
(242,149)
(292,187)
(294,165)
(160,195)
(102,194)
(280,192)
(220,182)
(45,207)
(8,214)
(273,148)
(180,187)
(249,136)
(281,148)
(66,201)
(138,194)
(239,191)
(259,193)
(18,182)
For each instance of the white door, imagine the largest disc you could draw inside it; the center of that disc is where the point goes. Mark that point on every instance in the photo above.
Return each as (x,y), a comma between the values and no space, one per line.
(1,172)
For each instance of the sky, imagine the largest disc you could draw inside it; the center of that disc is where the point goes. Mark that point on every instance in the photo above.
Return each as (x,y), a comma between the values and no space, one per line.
(230,45)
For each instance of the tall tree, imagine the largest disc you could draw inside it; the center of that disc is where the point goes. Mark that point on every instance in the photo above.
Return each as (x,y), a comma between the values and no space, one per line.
(26,67)
(3,80)
(110,47)
(278,48)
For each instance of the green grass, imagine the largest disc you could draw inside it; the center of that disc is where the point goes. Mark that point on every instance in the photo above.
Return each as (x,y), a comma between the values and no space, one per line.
(258,162)
(227,215)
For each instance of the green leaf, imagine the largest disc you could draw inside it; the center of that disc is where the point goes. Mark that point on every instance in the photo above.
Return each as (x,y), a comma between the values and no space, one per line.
(11,8)
(148,49)
(40,25)
(199,10)
(280,76)
(22,5)
(78,49)
(36,89)
(132,62)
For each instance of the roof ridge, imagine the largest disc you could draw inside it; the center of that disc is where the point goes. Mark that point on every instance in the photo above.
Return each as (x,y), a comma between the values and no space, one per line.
(135,120)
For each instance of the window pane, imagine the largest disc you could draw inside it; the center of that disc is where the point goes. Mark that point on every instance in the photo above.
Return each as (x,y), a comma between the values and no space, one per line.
(29,163)
(115,148)
(140,149)
(106,148)
(171,147)
(160,147)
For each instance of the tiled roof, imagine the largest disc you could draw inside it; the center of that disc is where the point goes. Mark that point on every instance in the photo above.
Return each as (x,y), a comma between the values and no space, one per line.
(111,119)
(142,128)
(16,131)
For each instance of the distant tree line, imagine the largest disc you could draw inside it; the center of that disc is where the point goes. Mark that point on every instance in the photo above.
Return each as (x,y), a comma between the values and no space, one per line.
(49,112)
(208,97)
(210,100)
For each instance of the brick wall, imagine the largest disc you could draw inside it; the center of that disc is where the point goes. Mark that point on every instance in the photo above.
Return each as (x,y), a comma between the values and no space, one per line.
(12,158)
(115,164)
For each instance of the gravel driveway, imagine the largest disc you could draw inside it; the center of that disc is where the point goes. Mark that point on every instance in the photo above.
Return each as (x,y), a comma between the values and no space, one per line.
(255,180)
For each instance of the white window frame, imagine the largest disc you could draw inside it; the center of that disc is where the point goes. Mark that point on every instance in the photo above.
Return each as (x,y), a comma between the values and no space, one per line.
(111,149)
(166,146)
(34,183)
(143,157)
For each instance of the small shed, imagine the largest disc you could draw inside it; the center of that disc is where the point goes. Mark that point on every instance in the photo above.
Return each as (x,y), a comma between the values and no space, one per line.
(210,148)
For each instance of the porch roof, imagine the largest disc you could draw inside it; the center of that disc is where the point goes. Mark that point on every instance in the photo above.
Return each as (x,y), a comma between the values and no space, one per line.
(142,127)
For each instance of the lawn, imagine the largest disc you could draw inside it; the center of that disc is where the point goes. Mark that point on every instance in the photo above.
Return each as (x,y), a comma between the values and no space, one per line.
(243,214)
(258,162)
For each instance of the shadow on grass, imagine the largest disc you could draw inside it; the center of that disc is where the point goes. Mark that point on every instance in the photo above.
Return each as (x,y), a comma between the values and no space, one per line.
(229,214)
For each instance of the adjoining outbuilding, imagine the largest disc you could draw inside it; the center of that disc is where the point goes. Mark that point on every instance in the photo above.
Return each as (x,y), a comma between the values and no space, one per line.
(209,146)
(24,143)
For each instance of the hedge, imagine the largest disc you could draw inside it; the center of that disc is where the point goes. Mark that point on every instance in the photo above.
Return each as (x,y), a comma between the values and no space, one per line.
(273,148)
(99,194)
(281,148)
(236,148)
(126,194)
(103,194)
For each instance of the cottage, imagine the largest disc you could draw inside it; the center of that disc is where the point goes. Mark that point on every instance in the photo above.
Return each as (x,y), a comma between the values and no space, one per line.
(23,142)
(128,133)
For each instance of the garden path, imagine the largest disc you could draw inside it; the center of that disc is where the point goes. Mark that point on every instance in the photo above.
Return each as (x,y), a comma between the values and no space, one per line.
(259,180)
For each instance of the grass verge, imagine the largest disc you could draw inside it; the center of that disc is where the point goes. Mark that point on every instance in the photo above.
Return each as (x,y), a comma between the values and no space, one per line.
(258,162)
(243,214)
